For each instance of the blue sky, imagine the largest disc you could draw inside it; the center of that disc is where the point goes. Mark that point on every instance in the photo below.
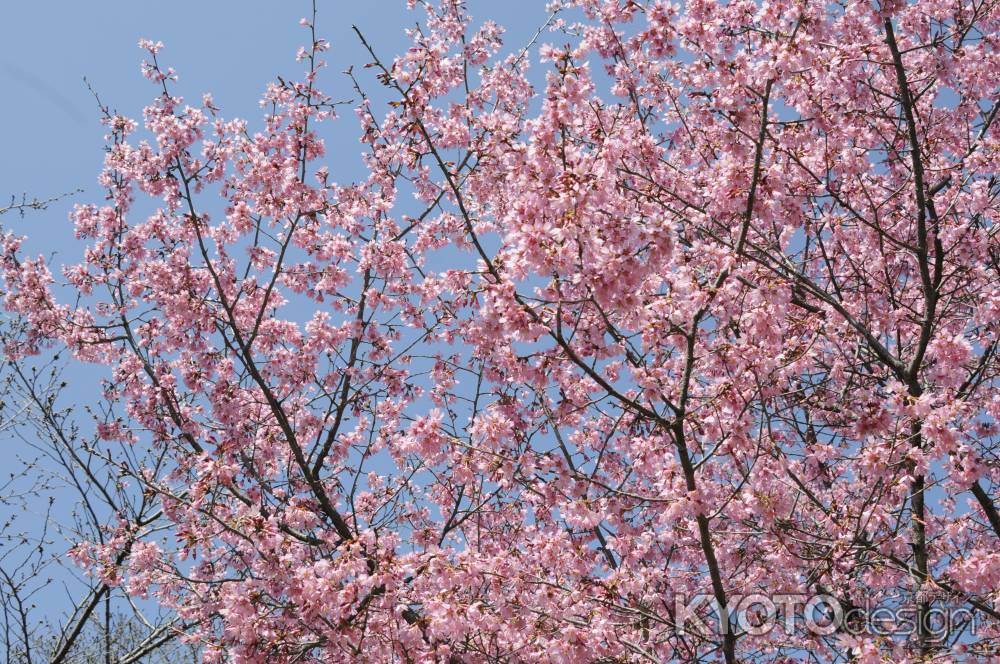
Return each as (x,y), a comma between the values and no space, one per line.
(232,48)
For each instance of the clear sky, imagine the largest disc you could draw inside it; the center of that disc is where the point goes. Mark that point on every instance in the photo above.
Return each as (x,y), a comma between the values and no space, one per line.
(51,138)
(50,134)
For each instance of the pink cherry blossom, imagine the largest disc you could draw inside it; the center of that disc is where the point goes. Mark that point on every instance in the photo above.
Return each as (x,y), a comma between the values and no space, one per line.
(708,306)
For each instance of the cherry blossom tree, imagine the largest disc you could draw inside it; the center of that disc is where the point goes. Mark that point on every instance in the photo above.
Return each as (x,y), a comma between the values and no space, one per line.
(59,489)
(706,310)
